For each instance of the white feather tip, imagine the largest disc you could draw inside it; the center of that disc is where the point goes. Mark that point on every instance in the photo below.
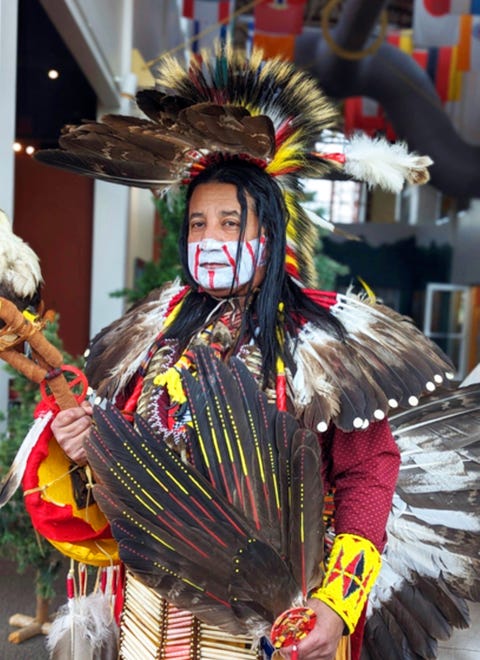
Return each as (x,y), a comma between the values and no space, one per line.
(380,163)
(19,265)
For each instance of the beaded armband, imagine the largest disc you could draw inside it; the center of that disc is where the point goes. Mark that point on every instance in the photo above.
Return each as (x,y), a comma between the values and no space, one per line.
(353,567)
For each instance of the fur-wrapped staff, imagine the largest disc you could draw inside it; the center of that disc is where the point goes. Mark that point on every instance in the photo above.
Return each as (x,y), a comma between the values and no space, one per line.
(20,286)
(20,298)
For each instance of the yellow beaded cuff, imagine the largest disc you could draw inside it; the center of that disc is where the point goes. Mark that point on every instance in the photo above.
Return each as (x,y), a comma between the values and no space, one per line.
(352,569)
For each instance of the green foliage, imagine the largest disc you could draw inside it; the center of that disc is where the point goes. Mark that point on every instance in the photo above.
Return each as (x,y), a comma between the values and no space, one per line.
(18,539)
(327,268)
(171,209)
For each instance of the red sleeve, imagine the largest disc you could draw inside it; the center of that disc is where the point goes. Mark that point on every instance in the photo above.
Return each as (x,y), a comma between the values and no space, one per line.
(362,467)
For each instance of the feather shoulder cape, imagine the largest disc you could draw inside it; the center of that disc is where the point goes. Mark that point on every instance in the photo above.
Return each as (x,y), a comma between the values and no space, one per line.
(384,362)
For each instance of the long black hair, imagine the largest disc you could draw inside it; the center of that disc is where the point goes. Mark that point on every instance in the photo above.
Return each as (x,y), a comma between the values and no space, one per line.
(261,318)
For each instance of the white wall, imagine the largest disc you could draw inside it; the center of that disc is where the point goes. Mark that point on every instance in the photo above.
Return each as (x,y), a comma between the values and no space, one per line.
(95,33)
(8,77)
(157,27)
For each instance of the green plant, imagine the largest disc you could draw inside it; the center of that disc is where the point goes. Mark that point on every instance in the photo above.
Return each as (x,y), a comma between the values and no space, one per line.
(327,268)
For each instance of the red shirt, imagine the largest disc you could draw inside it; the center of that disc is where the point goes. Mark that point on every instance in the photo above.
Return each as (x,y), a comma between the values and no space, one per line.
(362,468)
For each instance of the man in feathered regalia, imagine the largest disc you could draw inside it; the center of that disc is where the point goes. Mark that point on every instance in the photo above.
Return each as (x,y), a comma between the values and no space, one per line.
(241,452)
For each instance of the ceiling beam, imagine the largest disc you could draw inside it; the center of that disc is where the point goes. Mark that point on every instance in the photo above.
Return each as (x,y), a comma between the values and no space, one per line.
(80,30)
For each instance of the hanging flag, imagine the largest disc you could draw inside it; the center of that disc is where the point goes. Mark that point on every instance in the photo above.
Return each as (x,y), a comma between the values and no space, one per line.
(362,113)
(402,39)
(279,17)
(469,44)
(437,7)
(420,55)
(433,30)
(276,26)
(209,21)
(442,7)
(187,8)
(393,37)
(442,73)
(464,45)
(212,10)
(475,45)
(275,44)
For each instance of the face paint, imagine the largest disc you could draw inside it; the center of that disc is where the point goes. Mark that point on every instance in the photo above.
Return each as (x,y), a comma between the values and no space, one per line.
(212,263)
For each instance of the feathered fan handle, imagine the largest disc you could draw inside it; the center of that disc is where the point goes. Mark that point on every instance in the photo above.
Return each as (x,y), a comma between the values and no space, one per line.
(380,163)
(291,627)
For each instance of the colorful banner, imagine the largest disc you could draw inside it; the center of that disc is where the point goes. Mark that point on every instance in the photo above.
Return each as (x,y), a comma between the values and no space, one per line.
(212,11)
(434,30)
(279,17)
(362,113)
(276,25)
(209,21)
(449,30)
(458,7)
(443,65)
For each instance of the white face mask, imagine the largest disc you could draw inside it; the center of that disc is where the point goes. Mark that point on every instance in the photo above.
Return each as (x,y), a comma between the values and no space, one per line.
(212,263)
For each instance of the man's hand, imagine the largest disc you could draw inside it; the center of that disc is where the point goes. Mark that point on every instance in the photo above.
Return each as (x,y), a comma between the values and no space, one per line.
(322,642)
(71,427)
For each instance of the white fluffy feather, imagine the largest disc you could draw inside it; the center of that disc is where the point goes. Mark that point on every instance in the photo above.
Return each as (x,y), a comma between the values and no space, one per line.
(84,628)
(382,164)
(19,265)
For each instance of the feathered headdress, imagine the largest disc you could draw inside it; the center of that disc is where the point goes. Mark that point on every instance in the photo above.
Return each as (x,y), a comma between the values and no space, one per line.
(230,105)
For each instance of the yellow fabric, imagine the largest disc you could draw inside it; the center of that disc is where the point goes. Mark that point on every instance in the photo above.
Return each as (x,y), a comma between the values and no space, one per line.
(103,552)
(343,650)
(56,486)
(353,567)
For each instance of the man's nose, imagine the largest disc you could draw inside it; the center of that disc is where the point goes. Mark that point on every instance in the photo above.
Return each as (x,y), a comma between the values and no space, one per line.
(209,243)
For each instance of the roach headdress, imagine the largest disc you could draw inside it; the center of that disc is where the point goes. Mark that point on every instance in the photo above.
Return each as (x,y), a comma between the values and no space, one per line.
(229,105)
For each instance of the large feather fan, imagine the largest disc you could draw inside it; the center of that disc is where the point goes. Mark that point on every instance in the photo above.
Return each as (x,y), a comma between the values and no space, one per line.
(431,565)
(236,537)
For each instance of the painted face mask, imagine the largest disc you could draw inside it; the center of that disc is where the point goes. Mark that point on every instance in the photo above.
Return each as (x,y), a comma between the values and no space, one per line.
(213,265)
